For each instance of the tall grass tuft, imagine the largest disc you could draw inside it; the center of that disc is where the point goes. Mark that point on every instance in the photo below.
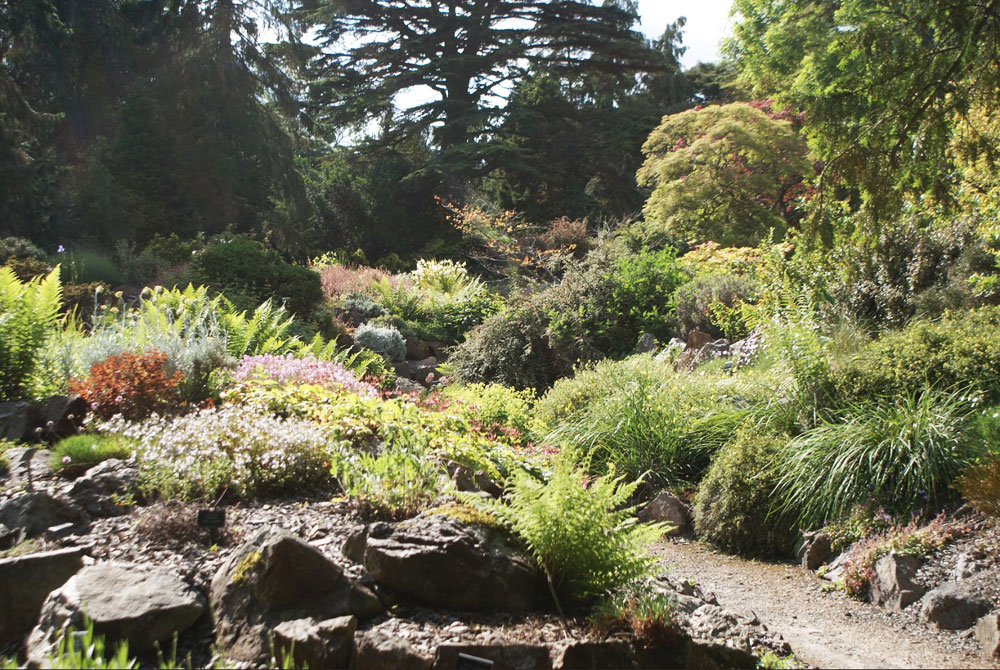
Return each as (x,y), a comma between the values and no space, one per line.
(902,455)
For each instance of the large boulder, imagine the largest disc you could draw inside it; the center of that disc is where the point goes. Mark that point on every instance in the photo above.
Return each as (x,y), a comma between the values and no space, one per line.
(52,419)
(276,577)
(667,508)
(26,581)
(953,606)
(440,561)
(20,421)
(509,656)
(34,513)
(816,549)
(317,644)
(124,602)
(100,490)
(988,635)
(607,655)
(374,650)
(893,586)
(25,461)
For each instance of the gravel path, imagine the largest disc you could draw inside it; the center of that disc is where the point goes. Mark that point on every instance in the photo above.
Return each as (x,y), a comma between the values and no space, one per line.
(824,630)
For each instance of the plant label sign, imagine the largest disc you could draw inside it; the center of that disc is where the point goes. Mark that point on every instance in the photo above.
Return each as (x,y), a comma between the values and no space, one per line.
(212,518)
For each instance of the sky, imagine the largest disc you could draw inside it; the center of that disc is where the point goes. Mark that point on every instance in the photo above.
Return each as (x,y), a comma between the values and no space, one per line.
(707,24)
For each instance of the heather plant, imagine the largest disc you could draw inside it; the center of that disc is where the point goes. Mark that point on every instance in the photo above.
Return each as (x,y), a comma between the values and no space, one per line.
(133,385)
(912,539)
(231,449)
(386,341)
(343,280)
(903,453)
(581,531)
(287,369)
(28,320)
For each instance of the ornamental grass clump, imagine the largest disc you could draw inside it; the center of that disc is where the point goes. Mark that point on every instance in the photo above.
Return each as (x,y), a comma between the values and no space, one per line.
(232,449)
(287,369)
(903,454)
(582,531)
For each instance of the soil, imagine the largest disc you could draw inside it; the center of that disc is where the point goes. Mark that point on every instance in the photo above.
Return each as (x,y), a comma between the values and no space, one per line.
(824,629)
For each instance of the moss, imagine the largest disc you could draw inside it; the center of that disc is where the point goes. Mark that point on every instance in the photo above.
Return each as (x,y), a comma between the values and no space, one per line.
(245,567)
(466,514)
(4,464)
(22,549)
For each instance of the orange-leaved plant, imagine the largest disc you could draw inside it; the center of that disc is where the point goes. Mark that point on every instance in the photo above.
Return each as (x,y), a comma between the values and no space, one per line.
(133,385)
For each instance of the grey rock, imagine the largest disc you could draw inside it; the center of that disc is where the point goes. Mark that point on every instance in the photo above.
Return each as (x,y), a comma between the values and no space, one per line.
(27,581)
(953,606)
(893,586)
(472,480)
(374,650)
(647,344)
(276,577)
(508,656)
(966,567)
(988,635)
(441,562)
(21,458)
(595,656)
(96,490)
(34,513)
(20,421)
(439,350)
(816,550)
(667,508)
(417,349)
(404,385)
(323,644)
(124,602)
(696,339)
(64,416)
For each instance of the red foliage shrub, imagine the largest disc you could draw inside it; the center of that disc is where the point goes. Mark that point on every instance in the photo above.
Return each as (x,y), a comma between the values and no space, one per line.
(133,385)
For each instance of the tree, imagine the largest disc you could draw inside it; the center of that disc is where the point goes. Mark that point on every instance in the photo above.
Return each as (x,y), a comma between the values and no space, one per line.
(726,173)
(570,143)
(464,51)
(881,83)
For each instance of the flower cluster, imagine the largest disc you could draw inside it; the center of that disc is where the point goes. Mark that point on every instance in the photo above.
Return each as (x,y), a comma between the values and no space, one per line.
(234,449)
(290,370)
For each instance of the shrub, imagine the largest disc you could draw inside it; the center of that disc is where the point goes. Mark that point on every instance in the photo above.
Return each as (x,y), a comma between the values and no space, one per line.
(733,508)
(386,341)
(697,300)
(287,369)
(582,532)
(249,273)
(233,448)
(913,268)
(443,276)
(19,248)
(512,349)
(362,305)
(28,313)
(980,485)
(565,234)
(902,454)
(27,269)
(133,385)
(962,349)
(80,452)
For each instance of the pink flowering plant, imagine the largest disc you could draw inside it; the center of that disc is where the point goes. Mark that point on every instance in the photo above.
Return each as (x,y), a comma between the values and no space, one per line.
(287,369)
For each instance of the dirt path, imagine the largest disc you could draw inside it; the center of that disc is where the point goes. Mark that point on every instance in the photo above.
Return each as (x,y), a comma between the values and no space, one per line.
(824,630)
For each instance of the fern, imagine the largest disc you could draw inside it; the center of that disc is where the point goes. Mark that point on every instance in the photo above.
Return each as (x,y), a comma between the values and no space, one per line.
(29,314)
(263,332)
(583,533)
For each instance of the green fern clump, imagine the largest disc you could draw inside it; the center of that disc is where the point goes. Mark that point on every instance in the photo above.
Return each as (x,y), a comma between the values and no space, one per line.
(581,531)
(28,319)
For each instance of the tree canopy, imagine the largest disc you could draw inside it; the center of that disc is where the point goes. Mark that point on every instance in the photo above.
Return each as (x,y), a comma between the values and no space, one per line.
(881,83)
(466,52)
